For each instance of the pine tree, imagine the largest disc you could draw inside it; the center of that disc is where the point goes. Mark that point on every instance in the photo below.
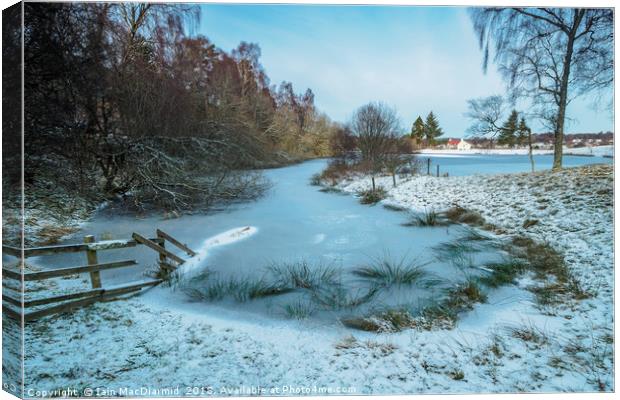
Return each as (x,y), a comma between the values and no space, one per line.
(432,129)
(507,135)
(417,130)
(523,132)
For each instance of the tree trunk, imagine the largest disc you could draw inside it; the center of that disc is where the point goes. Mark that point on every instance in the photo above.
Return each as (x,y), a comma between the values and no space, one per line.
(563,98)
(373,183)
(394,179)
(529,144)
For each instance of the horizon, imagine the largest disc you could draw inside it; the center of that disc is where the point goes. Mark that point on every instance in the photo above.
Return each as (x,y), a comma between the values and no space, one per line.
(351,55)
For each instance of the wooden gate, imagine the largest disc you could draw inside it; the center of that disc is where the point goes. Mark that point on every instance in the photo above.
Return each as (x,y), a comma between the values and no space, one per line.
(31,308)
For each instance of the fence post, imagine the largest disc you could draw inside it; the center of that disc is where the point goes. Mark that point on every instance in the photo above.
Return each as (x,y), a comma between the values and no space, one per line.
(437,170)
(428,166)
(162,256)
(91,257)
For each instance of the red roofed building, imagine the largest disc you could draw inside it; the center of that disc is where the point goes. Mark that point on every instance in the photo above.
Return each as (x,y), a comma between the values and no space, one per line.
(452,143)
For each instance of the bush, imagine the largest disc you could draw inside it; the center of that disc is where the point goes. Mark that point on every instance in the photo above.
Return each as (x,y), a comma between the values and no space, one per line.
(428,218)
(372,196)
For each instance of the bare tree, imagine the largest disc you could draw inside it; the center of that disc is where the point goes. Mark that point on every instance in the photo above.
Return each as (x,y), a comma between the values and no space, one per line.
(376,126)
(549,55)
(398,154)
(487,113)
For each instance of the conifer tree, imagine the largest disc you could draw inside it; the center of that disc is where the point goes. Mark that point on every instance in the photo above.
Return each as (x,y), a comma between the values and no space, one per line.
(508,132)
(431,128)
(417,130)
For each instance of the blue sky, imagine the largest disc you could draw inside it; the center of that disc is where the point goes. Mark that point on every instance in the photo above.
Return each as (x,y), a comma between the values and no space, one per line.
(416,59)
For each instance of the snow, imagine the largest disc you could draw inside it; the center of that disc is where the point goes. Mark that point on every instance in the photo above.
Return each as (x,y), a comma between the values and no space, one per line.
(599,151)
(144,344)
(231,236)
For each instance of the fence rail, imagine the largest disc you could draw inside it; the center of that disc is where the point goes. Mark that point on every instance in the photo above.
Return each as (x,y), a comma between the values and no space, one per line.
(168,262)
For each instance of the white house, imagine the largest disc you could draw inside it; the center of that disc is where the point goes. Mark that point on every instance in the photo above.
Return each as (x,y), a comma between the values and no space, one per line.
(463,145)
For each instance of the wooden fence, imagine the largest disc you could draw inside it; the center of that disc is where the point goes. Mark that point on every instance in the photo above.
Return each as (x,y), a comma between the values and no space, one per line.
(168,262)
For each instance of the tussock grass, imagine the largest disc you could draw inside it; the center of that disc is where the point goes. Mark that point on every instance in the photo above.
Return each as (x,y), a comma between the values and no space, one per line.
(398,319)
(428,218)
(459,214)
(503,272)
(464,295)
(241,290)
(299,310)
(386,272)
(387,320)
(338,297)
(528,334)
(361,323)
(372,196)
(316,180)
(301,275)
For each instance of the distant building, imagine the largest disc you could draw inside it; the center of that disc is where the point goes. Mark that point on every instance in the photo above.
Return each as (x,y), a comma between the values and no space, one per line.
(458,144)
(463,145)
(452,143)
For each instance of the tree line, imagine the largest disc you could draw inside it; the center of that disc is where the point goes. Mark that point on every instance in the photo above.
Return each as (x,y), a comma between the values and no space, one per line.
(428,130)
(131,106)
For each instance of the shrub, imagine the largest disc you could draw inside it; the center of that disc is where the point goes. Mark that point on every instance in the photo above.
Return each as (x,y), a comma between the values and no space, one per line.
(372,196)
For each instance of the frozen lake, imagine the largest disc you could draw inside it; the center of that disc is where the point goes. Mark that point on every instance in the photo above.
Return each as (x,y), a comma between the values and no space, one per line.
(297,223)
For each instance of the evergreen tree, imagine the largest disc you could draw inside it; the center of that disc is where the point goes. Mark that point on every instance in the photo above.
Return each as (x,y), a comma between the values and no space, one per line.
(432,129)
(523,133)
(417,130)
(508,132)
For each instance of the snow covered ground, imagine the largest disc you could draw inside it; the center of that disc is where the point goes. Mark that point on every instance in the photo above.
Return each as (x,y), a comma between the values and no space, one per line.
(143,347)
(601,151)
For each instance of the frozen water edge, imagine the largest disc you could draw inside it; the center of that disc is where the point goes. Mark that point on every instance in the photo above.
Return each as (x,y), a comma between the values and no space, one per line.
(163,344)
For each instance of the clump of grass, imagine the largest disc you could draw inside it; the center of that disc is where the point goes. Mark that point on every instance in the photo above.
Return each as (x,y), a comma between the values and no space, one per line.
(300,275)
(437,315)
(454,213)
(427,218)
(241,290)
(528,334)
(394,207)
(389,320)
(522,241)
(456,252)
(458,214)
(457,374)
(503,272)
(397,319)
(299,310)
(544,260)
(361,323)
(330,189)
(472,218)
(386,272)
(315,180)
(337,297)
(464,295)
(372,196)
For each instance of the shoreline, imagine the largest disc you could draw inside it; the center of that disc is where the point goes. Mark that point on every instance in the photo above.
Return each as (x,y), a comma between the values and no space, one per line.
(600,151)
(479,355)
